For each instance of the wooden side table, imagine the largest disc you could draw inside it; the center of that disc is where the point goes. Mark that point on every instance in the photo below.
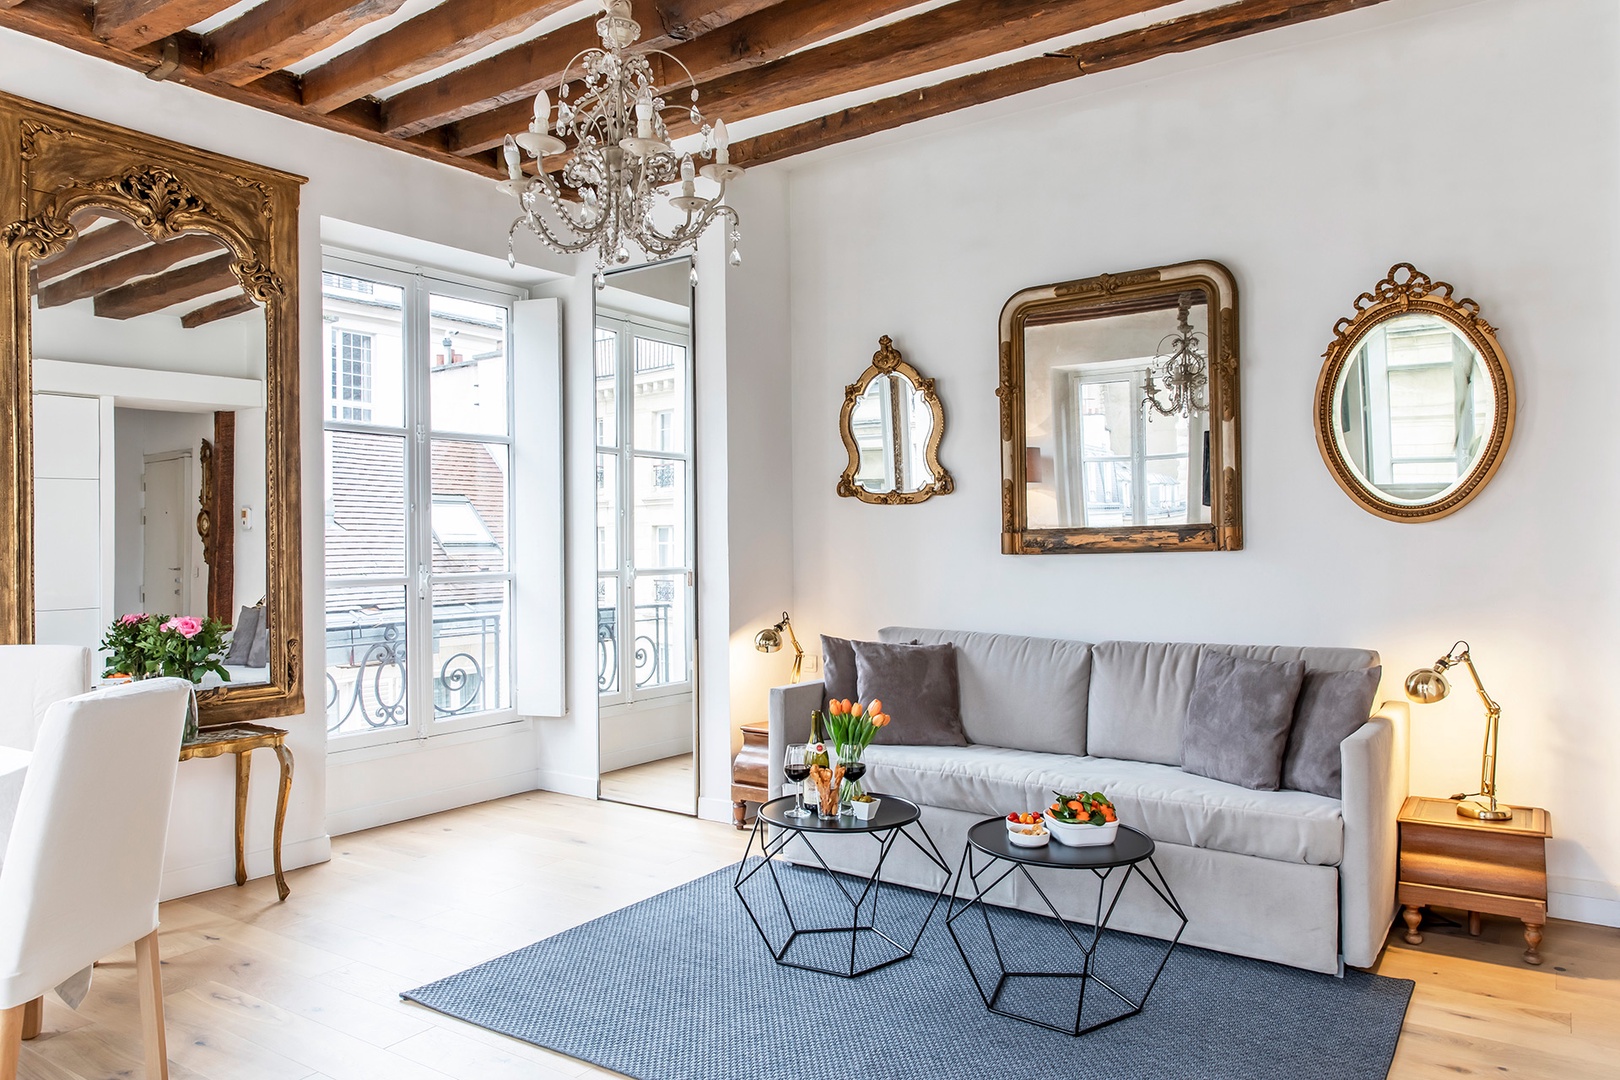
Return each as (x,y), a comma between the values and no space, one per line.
(1482,867)
(242,740)
(750,772)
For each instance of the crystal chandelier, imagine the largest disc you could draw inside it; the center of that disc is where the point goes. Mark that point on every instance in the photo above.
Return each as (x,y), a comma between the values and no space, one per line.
(1182,364)
(625,184)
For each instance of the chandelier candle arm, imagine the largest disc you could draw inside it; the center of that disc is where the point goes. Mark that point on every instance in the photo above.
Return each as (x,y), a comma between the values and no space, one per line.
(623,170)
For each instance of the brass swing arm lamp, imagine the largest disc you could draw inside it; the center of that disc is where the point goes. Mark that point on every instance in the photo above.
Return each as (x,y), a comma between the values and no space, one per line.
(1428,685)
(769,640)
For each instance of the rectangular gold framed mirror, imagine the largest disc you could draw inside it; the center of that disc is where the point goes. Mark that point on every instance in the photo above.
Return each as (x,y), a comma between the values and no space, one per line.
(1119,414)
(149,454)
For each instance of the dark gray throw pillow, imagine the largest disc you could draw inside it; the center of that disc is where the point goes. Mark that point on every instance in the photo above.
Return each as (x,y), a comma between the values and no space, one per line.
(259,654)
(247,624)
(1332,706)
(837,668)
(1238,719)
(919,688)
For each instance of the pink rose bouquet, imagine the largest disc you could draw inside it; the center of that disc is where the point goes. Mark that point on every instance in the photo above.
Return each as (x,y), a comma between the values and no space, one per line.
(146,646)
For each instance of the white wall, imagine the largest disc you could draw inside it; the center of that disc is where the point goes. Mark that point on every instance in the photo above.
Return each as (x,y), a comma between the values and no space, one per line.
(1477,140)
(348,180)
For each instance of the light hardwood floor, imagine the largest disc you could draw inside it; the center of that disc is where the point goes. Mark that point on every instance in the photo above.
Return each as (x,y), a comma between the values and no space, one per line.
(307,990)
(666,784)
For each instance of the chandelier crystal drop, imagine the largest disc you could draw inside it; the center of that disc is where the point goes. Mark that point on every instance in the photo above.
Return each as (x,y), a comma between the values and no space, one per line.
(625,185)
(1182,364)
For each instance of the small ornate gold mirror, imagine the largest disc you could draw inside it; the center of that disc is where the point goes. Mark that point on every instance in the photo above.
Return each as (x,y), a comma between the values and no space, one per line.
(1414,406)
(1119,414)
(892,423)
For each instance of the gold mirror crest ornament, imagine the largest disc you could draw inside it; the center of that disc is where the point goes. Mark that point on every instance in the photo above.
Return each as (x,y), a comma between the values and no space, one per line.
(1119,413)
(1415,401)
(64,164)
(892,437)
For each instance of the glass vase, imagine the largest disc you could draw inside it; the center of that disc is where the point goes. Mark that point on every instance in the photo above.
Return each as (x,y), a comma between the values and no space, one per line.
(829,782)
(853,760)
(190,734)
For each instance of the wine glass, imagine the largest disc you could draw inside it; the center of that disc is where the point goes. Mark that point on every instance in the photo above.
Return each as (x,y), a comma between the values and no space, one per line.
(796,764)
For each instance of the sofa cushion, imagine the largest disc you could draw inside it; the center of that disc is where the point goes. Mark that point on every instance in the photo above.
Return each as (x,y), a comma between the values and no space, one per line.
(1164,802)
(918,684)
(1139,694)
(1332,706)
(1238,719)
(1026,693)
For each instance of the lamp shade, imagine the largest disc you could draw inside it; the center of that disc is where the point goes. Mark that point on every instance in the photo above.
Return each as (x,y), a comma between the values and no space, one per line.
(1427,685)
(768,640)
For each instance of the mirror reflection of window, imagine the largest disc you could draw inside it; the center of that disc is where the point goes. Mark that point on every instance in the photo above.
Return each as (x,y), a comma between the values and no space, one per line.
(870,423)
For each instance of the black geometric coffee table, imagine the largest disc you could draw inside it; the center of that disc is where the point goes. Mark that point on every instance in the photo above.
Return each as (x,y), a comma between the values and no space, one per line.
(987,843)
(773,831)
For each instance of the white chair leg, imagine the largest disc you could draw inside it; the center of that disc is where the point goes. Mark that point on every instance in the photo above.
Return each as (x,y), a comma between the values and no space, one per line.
(11,1027)
(149,977)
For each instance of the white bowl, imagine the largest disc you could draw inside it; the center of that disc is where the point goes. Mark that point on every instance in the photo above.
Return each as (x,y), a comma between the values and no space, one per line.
(865,811)
(1023,839)
(1076,835)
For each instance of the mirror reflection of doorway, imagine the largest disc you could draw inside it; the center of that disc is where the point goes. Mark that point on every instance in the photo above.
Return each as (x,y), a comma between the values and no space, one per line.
(645,596)
(166,528)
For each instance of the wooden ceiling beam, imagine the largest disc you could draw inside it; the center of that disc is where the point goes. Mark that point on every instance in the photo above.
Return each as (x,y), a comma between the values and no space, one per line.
(219,309)
(279,33)
(437,36)
(92,247)
(759,38)
(152,259)
(165,290)
(1121,50)
(683,20)
(129,23)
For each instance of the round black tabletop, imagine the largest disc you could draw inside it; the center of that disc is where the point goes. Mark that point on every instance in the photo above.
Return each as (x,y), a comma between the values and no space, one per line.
(1129,846)
(893,813)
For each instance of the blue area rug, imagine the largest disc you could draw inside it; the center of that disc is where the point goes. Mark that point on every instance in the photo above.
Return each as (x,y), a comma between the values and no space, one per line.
(681,987)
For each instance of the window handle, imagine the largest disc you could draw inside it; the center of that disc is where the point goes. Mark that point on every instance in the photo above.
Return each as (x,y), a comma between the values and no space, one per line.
(421,582)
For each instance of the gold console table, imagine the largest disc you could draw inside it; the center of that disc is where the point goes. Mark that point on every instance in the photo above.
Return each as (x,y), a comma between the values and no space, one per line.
(242,740)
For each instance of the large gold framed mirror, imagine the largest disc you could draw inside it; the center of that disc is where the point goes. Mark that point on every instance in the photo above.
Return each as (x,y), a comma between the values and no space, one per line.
(1414,406)
(149,454)
(892,423)
(1119,414)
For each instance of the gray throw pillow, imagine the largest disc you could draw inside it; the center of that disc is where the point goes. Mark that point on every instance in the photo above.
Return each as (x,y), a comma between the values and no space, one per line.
(259,654)
(1332,706)
(247,624)
(1238,719)
(837,668)
(919,688)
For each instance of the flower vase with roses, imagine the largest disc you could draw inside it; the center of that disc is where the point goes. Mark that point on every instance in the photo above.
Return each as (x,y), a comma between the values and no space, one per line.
(142,646)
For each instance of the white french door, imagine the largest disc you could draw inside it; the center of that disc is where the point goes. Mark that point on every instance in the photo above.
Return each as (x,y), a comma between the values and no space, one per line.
(419,580)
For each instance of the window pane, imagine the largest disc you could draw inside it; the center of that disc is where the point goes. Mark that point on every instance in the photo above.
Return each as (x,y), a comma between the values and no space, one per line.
(607,511)
(469,507)
(1106,414)
(1108,493)
(471,647)
(607,400)
(365,505)
(660,656)
(365,351)
(1164,434)
(1166,482)
(607,635)
(467,365)
(660,513)
(365,658)
(660,381)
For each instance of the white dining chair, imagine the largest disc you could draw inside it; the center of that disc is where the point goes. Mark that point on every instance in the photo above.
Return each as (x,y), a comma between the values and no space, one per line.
(32,679)
(84,863)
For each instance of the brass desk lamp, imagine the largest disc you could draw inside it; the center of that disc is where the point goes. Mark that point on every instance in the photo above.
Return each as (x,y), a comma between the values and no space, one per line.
(1428,685)
(769,640)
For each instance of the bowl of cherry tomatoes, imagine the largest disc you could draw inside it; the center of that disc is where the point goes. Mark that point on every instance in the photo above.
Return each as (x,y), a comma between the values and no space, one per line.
(1027,830)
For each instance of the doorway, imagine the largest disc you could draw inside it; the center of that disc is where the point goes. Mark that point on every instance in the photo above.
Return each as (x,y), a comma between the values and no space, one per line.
(646,612)
(166,529)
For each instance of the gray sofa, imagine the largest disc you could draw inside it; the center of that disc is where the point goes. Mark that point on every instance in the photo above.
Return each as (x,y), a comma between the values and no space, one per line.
(1286,876)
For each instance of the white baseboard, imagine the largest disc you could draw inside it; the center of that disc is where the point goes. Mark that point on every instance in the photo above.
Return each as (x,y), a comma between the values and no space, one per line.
(428,802)
(710,809)
(1581,900)
(219,872)
(580,785)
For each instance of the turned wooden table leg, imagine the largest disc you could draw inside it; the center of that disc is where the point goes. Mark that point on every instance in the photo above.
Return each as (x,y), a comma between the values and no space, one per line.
(1414,918)
(1532,939)
(1476,924)
(243,763)
(284,756)
(739,814)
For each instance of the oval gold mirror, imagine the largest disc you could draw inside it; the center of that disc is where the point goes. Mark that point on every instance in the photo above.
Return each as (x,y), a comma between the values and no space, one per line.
(892,423)
(1414,406)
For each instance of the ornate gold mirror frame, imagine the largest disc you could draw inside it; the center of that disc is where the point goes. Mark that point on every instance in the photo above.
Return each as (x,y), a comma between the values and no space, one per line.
(53,164)
(887,361)
(1098,297)
(1406,291)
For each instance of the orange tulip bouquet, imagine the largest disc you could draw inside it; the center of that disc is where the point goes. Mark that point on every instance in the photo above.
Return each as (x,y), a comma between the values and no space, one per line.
(851,726)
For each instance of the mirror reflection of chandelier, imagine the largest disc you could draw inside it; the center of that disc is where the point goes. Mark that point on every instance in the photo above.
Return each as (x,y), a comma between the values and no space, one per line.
(625,184)
(1182,364)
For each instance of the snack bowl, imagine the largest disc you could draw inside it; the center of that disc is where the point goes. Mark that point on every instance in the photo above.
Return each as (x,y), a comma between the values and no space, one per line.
(865,811)
(1077,834)
(1030,836)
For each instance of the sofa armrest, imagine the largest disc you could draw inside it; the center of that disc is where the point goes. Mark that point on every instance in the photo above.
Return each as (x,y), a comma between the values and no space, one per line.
(790,711)
(1373,764)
